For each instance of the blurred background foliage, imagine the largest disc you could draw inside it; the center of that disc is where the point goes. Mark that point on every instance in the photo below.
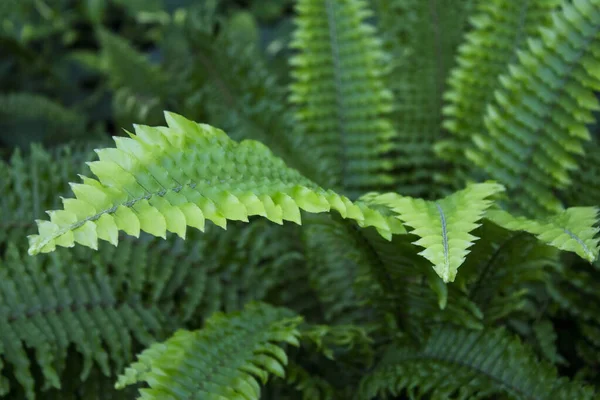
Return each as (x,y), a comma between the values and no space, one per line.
(85,69)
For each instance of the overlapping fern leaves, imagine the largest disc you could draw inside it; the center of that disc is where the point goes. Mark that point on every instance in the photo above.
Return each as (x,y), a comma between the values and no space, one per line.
(500,29)
(433,330)
(536,125)
(482,363)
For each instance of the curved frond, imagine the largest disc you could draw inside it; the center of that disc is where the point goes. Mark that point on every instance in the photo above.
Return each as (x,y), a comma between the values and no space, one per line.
(339,92)
(500,29)
(227,359)
(165,179)
(444,225)
(571,230)
(536,125)
(462,364)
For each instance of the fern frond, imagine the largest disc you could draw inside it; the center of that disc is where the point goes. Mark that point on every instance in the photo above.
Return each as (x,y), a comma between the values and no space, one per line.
(585,187)
(141,88)
(536,125)
(47,310)
(462,364)
(312,387)
(546,340)
(500,29)
(30,184)
(226,359)
(503,270)
(235,89)
(444,225)
(335,259)
(27,117)
(571,230)
(421,38)
(399,281)
(339,93)
(165,179)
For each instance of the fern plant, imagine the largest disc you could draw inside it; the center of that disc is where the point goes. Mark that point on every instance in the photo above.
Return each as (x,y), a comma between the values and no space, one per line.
(339,239)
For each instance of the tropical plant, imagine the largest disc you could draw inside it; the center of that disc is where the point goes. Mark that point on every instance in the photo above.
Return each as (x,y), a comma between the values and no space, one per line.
(406,209)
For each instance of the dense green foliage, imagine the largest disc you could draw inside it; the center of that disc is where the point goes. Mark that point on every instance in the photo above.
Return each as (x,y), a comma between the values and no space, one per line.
(349,199)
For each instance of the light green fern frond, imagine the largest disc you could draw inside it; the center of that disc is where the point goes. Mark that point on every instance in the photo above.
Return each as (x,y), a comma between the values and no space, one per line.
(500,29)
(165,179)
(339,93)
(227,359)
(462,364)
(571,230)
(444,225)
(536,125)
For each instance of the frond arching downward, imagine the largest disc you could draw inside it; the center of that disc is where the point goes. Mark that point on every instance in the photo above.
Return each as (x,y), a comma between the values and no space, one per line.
(340,94)
(165,179)
(224,360)
(536,125)
(462,364)
(444,225)
(571,230)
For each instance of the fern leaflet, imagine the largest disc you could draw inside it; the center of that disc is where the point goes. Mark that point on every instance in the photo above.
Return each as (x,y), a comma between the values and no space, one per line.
(226,359)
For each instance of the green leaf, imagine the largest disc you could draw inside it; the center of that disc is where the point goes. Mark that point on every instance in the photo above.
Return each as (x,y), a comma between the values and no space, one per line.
(573,230)
(468,364)
(443,226)
(165,179)
(223,360)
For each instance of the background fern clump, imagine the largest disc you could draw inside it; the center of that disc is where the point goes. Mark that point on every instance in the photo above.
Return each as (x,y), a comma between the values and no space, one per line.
(344,199)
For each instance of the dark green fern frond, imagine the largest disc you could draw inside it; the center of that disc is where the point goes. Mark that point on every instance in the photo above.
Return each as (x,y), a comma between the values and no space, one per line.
(585,187)
(339,93)
(335,261)
(421,38)
(500,29)
(27,117)
(503,270)
(575,289)
(462,364)
(536,125)
(165,179)
(30,184)
(141,89)
(228,358)
(312,387)
(47,310)
(402,283)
